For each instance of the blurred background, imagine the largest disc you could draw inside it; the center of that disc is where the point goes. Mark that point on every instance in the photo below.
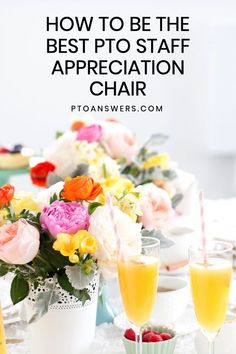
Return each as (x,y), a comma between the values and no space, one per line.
(199,108)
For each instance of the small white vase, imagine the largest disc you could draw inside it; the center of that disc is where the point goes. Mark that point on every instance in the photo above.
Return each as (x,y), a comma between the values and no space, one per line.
(68,327)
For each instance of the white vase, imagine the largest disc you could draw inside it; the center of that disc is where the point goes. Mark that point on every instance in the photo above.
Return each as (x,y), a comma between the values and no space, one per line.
(68,327)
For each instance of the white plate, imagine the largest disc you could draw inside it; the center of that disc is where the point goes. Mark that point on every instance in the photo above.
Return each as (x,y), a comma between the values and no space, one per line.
(227,239)
(184,325)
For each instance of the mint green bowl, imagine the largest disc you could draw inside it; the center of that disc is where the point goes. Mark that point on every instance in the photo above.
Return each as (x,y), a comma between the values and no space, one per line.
(165,347)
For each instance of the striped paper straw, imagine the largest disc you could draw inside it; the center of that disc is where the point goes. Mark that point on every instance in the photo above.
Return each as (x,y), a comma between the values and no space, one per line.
(112,215)
(202,214)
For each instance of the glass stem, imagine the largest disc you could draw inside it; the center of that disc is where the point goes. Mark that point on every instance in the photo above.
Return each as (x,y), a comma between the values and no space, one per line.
(138,346)
(211,347)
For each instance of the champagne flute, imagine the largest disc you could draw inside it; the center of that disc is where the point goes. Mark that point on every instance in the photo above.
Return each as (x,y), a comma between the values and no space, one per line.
(138,279)
(210,275)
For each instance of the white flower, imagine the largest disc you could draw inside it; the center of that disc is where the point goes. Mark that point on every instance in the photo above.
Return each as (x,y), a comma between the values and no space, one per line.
(44,195)
(62,154)
(101,227)
(105,167)
(88,152)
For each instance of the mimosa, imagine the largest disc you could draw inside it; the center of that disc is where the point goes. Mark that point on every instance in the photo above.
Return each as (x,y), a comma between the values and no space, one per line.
(210,289)
(138,280)
(3,349)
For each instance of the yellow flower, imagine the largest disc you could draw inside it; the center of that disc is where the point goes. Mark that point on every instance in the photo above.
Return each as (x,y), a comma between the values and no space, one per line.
(88,245)
(117,186)
(66,244)
(161,160)
(124,195)
(23,201)
(74,245)
(130,204)
(102,199)
(74,258)
(3,216)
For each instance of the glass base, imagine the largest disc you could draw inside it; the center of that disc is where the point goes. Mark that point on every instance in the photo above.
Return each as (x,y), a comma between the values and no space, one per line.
(138,338)
(210,336)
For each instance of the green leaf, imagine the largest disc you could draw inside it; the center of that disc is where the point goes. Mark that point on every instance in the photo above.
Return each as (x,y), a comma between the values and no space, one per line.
(156,139)
(56,260)
(169,174)
(53,198)
(3,270)
(146,181)
(35,310)
(43,265)
(78,277)
(64,282)
(83,296)
(176,200)
(19,289)
(104,169)
(92,207)
(165,242)
(59,134)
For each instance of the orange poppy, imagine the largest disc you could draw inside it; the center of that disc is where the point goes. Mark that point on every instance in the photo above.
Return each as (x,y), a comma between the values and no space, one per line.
(77,125)
(81,188)
(6,194)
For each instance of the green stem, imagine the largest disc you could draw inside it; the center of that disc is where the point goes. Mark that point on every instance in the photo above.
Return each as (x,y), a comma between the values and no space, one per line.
(27,266)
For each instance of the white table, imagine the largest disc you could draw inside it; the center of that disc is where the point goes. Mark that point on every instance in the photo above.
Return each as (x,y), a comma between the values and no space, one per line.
(107,341)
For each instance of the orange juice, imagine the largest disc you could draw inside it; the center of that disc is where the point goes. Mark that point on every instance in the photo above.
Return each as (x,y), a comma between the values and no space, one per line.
(138,280)
(210,289)
(3,349)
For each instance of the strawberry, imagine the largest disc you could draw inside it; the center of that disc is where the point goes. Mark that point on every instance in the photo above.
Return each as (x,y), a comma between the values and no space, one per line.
(155,338)
(152,337)
(147,336)
(166,336)
(146,332)
(130,334)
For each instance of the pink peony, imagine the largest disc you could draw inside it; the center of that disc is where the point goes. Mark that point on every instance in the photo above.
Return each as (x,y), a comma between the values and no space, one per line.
(64,217)
(90,134)
(156,207)
(19,242)
(119,141)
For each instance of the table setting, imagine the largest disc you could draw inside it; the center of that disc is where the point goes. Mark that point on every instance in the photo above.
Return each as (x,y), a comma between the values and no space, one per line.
(117,252)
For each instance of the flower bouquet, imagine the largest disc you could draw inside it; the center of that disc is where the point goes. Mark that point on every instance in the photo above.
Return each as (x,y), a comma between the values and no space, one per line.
(55,246)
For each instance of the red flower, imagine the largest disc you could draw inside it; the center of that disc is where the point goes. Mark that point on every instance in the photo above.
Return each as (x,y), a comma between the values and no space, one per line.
(6,194)
(39,173)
